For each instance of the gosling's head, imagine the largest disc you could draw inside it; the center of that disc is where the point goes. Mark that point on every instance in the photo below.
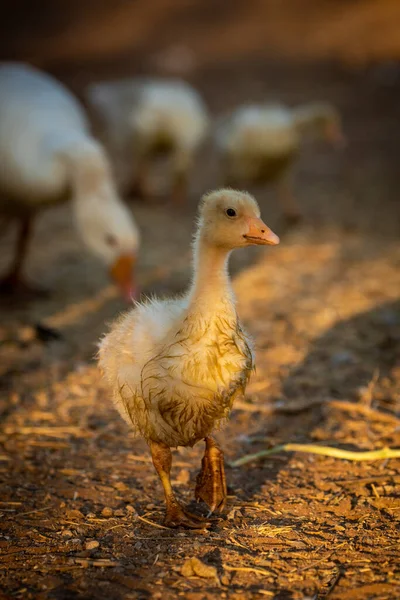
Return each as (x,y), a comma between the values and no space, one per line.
(230,219)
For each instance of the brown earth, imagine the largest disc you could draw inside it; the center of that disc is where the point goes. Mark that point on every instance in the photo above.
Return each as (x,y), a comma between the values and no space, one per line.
(81,505)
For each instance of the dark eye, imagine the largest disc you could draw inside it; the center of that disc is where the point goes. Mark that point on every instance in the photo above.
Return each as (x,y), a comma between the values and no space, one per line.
(231,212)
(111,240)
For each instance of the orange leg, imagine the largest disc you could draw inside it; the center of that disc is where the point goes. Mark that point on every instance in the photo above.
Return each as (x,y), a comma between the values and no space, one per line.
(179,191)
(290,206)
(176,515)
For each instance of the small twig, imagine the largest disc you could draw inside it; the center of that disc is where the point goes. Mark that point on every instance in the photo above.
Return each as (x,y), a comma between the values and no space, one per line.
(248,407)
(145,459)
(97,562)
(247,570)
(278,407)
(376,494)
(238,544)
(368,394)
(152,523)
(77,524)
(368,411)
(48,431)
(382,454)
(391,479)
(30,512)
(52,444)
(115,527)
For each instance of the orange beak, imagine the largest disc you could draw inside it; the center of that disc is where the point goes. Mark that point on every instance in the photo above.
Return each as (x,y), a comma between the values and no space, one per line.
(122,272)
(259,233)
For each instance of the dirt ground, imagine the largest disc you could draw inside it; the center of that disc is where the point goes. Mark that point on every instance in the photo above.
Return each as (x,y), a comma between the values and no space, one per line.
(81,506)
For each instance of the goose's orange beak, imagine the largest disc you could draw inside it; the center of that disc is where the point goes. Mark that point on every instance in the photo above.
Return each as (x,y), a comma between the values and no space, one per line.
(259,233)
(122,272)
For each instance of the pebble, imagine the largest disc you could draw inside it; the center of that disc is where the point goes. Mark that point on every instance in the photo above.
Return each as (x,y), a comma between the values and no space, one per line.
(91,545)
(225,580)
(67,533)
(183,476)
(121,486)
(74,514)
(107,512)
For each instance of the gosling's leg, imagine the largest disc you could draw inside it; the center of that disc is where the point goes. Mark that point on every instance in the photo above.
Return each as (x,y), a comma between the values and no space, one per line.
(140,187)
(179,192)
(290,206)
(181,166)
(13,282)
(176,515)
(211,481)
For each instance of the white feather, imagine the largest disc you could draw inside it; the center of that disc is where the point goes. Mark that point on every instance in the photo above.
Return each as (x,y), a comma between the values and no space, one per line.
(136,114)
(47,155)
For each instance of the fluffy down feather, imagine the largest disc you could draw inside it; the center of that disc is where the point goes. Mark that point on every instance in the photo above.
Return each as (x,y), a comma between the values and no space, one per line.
(176,366)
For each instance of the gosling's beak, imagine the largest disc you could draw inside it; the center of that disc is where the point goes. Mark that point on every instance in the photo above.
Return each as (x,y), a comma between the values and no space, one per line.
(122,272)
(260,234)
(335,136)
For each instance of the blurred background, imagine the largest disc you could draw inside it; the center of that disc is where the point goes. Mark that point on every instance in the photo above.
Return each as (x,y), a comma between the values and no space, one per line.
(125,35)
(346,52)
(322,307)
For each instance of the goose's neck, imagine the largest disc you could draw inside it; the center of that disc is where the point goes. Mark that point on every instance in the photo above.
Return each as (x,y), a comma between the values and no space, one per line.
(211,286)
(89,173)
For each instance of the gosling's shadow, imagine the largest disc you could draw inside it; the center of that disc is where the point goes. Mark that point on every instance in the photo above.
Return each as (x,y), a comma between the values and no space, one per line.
(340,365)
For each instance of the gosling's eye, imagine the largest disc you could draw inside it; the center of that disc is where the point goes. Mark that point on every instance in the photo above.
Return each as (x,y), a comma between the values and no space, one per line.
(231,212)
(111,240)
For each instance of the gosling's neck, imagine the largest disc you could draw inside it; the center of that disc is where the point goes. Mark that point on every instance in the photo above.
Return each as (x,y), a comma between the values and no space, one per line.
(211,288)
(308,119)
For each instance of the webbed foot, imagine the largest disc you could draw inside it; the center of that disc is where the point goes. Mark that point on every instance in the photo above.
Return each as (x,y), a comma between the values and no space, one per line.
(177,516)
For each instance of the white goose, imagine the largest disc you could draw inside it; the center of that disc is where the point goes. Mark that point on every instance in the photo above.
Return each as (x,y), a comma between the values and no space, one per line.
(175,366)
(259,143)
(141,118)
(47,156)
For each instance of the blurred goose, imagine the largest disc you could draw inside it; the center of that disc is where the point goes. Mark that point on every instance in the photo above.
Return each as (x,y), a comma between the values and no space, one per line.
(259,143)
(175,366)
(142,118)
(48,156)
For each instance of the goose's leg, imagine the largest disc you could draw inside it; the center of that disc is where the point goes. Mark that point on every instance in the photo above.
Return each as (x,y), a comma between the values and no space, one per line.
(176,515)
(13,281)
(211,481)
(289,203)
